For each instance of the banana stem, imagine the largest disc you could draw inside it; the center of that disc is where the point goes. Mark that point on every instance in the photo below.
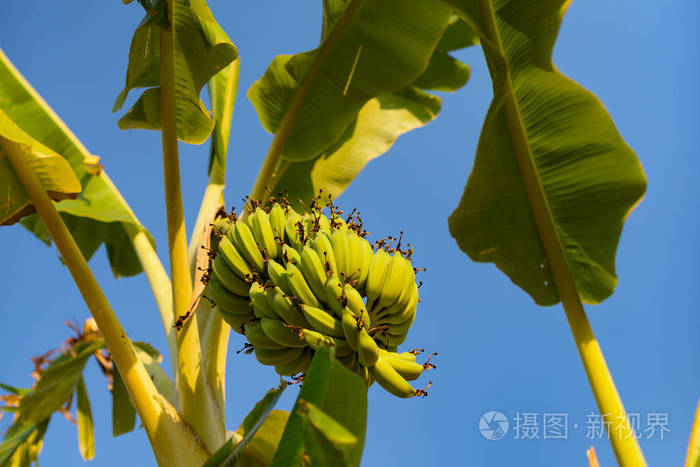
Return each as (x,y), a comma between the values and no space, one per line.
(171,439)
(197,402)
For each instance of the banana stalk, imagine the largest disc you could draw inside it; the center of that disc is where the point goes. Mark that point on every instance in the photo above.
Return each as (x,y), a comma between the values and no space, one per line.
(172,440)
(197,401)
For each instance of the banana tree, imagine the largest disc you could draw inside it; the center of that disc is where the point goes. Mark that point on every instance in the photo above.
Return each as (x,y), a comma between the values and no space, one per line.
(552,184)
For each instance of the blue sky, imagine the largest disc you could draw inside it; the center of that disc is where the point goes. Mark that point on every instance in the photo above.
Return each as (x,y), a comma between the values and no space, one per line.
(498,351)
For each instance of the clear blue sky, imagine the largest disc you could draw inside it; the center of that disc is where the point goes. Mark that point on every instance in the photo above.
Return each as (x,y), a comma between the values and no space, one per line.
(498,351)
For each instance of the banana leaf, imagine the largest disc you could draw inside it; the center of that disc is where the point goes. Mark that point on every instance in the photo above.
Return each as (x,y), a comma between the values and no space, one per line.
(551,170)
(100,214)
(201,50)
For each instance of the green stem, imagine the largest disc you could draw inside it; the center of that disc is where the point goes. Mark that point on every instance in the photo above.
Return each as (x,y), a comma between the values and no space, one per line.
(274,153)
(624,442)
(171,438)
(197,402)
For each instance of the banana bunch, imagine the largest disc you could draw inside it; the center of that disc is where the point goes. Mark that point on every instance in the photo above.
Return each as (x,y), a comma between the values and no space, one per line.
(292,282)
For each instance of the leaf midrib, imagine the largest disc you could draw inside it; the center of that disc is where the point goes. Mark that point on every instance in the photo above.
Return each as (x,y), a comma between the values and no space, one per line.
(539,204)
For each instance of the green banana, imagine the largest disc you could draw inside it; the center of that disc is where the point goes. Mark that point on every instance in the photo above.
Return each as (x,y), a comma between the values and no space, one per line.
(236,321)
(278,275)
(322,321)
(254,333)
(375,279)
(261,306)
(234,260)
(398,315)
(296,366)
(277,357)
(283,335)
(228,278)
(278,220)
(285,309)
(353,257)
(335,296)
(315,223)
(339,243)
(410,370)
(289,254)
(391,380)
(356,304)
(312,268)
(350,327)
(394,281)
(260,225)
(322,244)
(365,257)
(408,356)
(316,339)
(242,238)
(367,350)
(292,230)
(299,288)
(227,302)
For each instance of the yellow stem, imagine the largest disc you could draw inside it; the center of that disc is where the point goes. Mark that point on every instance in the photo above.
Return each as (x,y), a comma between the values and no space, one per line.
(692,458)
(620,431)
(172,440)
(197,402)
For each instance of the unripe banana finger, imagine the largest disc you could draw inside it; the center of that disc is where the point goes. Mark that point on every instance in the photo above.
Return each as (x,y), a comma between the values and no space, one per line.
(292,230)
(277,357)
(278,332)
(396,315)
(227,302)
(228,278)
(253,331)
(290,254)
(335,296)
(322,322)
(278,275)
(410,370)
(236,321)
(340,251)
(234,259)
(356,304)
(278,219)
(286,310)
(391,380)
(394,282)
(259,223)
(378,267)
(322,244)
(244,242)
(408,356)
(367,350)
(316,339)
(310,265)
(365,260)
(294,367)
(261,306)
(350,328)
(299,288)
